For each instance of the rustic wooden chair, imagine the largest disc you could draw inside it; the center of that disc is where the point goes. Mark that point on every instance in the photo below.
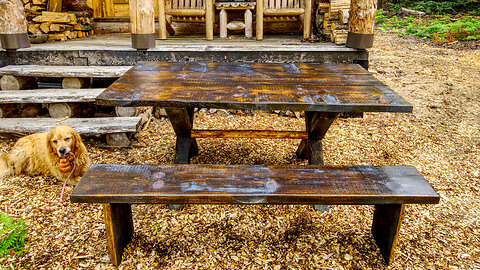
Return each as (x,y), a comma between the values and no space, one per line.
(284,10)
(192,11)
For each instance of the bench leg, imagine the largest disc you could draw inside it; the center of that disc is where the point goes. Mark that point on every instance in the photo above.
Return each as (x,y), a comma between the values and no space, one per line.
(119,229)
(387,220)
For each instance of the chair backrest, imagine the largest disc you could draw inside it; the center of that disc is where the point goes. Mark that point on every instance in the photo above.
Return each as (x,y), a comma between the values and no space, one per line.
(186,4)
(283,4)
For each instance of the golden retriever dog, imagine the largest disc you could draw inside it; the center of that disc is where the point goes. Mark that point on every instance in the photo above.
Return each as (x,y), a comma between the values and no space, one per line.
(45,153)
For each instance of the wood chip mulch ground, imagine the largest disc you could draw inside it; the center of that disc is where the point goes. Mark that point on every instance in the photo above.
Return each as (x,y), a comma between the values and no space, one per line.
(441,139)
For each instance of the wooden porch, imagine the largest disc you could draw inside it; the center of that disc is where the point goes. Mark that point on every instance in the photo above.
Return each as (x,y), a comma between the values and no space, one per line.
(116,50)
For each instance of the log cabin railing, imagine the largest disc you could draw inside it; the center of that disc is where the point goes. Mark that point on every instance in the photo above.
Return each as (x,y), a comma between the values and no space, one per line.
(13,29)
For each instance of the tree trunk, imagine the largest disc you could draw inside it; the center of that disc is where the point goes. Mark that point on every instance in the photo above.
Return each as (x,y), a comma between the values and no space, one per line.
(13,25)
(142,17)
(361,24)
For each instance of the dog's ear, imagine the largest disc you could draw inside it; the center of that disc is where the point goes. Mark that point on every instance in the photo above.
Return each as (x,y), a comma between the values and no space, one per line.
(50,147)
(77,142)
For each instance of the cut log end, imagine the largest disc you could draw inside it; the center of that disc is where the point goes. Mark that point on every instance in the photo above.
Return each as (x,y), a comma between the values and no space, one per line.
(118,140)
(75,83)
(62,110)
(126,111)
(10,82)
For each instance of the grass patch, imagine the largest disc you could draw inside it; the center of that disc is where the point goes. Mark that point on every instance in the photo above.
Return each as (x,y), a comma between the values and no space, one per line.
(446,29)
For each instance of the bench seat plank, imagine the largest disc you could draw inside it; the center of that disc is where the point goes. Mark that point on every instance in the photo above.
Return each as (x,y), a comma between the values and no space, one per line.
(50,95)
(84,126)
(65,71)
(252,184)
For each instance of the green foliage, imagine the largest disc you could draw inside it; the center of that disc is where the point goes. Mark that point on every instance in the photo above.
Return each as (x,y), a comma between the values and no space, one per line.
(432,7)
(12,235)
(441,30)
(435,6)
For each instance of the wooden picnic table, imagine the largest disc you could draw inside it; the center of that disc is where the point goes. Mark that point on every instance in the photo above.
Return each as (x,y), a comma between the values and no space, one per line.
(323,91)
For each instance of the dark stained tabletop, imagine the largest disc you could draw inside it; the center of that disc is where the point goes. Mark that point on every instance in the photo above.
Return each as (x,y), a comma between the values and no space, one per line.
(254,86)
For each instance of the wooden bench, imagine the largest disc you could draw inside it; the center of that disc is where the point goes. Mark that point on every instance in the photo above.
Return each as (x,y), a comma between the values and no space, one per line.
(115,128)
(117,187)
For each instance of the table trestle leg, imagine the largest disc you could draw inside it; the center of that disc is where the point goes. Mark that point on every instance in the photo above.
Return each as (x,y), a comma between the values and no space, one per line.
(182,123)
(119,229)
(317,124)
(387,219)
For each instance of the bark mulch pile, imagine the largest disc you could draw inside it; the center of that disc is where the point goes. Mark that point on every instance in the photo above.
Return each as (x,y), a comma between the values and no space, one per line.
(441,139)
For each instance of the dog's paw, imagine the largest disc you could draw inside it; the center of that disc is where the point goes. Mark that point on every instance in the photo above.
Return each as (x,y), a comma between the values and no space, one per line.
(73,181)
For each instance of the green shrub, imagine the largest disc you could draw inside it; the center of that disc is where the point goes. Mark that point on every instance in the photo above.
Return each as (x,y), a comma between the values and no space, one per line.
(441,30)
(12,235)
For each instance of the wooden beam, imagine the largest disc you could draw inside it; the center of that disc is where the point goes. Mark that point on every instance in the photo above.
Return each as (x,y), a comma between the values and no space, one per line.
(254,134)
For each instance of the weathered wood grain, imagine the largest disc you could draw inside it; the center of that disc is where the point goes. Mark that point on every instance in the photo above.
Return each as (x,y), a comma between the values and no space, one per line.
(87,126)
(65,71)
(261,86)
(247,184)
(50,95)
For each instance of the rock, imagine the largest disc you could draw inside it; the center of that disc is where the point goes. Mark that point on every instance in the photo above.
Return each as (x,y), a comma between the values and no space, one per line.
(405,12)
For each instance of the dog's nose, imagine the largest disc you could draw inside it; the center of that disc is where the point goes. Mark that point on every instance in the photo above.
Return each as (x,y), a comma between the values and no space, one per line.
(62,151)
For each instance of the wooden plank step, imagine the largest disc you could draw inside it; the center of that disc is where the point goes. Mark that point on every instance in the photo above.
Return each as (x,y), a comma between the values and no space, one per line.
(65,71)
(252,184)
(86,126)
(50,95)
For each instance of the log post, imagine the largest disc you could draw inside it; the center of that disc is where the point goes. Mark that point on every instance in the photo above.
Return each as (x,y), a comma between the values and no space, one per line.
(361,23)
(259,20)
(13,25)
(223,23)
(209,18)
(162,20)
(248,23)
(142,18)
